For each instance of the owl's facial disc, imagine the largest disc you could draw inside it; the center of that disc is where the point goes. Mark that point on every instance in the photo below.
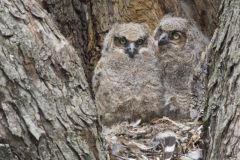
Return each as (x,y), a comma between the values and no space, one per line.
(176,38)
(134,46)
(131,47)
(131,50)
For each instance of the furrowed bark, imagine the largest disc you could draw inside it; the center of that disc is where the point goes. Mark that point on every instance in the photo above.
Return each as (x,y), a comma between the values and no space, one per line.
(46,110)
(224,85)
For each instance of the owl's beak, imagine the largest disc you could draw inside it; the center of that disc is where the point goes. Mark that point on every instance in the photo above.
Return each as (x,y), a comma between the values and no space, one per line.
(163,39)
(131,50)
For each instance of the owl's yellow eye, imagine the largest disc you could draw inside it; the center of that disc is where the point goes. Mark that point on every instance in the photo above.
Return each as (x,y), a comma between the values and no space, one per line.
(123,40)
(176,35)
(140,41)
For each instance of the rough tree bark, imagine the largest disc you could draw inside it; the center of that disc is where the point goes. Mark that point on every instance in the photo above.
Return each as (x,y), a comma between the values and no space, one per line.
(73,18)
(46,110)
(223,107)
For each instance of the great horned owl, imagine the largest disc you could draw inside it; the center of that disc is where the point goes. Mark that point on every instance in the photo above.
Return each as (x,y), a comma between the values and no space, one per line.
(126,80)
(180,44)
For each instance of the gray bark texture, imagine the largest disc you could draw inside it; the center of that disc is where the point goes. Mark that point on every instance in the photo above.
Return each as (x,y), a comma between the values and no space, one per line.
(46,109)
(73,18)
(223,105)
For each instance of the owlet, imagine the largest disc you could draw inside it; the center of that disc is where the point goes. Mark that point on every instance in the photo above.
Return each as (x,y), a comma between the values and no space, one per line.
(179,44)
(126,80)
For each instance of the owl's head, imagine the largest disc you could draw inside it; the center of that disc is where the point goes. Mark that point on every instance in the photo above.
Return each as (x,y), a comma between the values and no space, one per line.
(172,31)
(127,38)
(178,34)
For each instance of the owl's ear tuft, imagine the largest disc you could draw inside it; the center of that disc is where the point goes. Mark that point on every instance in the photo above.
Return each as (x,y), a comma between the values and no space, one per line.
(115,25)
(169,15)
(108,38)
(191,22)
(146,27)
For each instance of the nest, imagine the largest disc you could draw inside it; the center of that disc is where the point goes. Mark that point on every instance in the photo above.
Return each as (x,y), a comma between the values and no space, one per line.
(142,141)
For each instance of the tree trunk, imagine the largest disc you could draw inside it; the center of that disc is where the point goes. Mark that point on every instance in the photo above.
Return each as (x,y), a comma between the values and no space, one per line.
(46,110)
(223,107)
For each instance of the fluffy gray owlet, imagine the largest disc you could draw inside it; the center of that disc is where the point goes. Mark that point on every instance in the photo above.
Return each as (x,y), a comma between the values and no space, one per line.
(180,44)
(126,80)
